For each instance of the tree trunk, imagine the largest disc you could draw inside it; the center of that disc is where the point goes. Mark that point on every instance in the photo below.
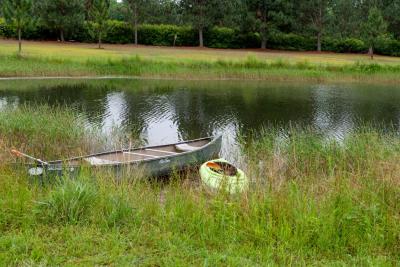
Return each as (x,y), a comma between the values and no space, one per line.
(62,35)
(263,42)
(371,52)
(99,40)
(135,22)
(201,41)
(19,41)
(136,33)
(320,28)
(319,49)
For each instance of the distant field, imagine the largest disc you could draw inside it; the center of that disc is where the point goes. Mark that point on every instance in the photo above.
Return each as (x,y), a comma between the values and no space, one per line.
(87,51)
(77,59)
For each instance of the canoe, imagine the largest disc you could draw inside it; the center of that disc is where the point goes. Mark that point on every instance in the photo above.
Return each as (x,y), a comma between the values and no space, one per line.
(221,175)
(152,160)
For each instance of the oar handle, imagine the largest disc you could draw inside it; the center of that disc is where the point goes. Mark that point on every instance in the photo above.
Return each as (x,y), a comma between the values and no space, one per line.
(17,153)
(23,155)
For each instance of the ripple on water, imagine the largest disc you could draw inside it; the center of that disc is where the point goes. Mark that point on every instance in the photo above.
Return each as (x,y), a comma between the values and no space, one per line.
(165,112)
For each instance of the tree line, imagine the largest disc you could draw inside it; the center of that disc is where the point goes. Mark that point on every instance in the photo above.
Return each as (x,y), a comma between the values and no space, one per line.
(363,19)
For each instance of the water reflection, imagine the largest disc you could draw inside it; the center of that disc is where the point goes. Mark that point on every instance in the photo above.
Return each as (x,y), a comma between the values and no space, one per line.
(115,111)
(169,111)
(332,113)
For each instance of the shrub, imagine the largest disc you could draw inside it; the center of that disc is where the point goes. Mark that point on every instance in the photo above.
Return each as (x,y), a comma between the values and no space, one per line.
(347,45)
(350,45)
(120,32)
(33,32)
(220,37)
(290,41)
(164,35)
(388,46)
(5,30)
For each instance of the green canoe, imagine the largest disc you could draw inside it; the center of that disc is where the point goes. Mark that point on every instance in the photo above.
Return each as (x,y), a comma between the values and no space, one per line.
(221,175)
(153,160)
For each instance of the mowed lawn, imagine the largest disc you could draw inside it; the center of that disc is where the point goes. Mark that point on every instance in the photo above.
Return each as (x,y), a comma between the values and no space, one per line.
(84,52)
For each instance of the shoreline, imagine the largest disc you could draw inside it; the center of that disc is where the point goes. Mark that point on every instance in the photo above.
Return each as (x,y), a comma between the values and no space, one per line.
(283,79)
(41,60)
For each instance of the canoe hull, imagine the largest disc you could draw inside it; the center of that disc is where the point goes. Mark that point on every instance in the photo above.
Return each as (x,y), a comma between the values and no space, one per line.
(162,166)
(165,166)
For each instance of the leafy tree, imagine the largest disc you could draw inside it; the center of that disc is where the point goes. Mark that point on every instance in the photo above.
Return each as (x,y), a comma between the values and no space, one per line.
(237,15)
(374,27)
(88,7)
(226,12)
(62,15)
(269,16)
(315,15)
(200,14)
(138,11)
(165,12)
(391,13)
(99,13)
(345,18)
(18,13)
(118,10)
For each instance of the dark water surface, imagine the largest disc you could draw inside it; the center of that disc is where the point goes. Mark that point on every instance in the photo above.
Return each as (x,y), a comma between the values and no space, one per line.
(168,111)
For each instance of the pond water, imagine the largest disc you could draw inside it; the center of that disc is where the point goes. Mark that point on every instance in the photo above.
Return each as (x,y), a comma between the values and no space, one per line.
(168,111)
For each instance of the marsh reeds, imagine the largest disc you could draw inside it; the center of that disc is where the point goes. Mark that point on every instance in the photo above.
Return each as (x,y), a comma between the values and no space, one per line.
(45,131)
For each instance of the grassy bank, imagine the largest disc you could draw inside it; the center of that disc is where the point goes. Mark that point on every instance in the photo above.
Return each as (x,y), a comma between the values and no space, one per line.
(44,131)
(312,202)
(52,59)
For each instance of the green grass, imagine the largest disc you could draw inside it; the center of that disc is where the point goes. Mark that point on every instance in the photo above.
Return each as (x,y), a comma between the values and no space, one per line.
(312,202)
(43,131)
(51,59)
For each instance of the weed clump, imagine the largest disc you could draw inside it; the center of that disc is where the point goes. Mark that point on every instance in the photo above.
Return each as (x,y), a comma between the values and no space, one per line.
(69,203)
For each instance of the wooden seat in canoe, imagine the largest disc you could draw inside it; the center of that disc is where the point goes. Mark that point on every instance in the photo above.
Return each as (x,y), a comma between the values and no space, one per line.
(94,161)
(185,148)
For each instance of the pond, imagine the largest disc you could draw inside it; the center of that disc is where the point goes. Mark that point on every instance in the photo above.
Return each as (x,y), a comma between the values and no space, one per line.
(168,111)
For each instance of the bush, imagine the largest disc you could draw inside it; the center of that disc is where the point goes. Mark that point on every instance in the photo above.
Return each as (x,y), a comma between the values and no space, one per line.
(347,45)
(164,35)
(388,46)
(220,37)
(5,30)
(120,32)
(291,41)
(33,32)
(351,45)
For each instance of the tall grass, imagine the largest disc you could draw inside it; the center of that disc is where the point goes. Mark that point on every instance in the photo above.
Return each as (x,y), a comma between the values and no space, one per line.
(44,131)
(312,202)
(247,68)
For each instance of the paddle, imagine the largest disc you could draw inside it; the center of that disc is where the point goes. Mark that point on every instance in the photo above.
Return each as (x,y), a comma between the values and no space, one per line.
(21,155)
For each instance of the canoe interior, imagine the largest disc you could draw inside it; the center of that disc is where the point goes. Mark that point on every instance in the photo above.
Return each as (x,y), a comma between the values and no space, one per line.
(139,154)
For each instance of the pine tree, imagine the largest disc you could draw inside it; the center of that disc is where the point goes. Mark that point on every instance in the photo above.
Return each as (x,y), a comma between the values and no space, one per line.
(138,10)
(99,13)
(374,27)
(18,13)
(62,15)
